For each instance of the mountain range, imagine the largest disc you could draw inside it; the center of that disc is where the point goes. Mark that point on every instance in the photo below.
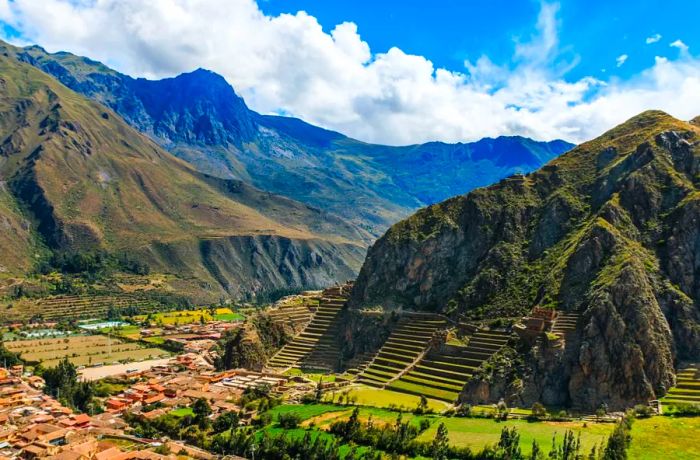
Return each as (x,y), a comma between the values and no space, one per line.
(92,160)
(77,179)
(607,232)
(198,117)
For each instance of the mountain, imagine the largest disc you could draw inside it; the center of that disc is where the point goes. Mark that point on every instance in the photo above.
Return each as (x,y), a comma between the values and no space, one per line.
(75,178)
(608,231)
(199,118)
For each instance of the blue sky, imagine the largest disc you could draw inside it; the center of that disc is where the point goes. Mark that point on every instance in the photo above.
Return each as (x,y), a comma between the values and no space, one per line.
(594,33)
(401,72)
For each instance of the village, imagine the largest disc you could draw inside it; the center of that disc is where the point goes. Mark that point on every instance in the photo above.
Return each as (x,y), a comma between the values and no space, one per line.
(35,425)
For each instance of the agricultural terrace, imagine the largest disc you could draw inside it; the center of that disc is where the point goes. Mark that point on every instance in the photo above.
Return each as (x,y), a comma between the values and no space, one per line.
(182,317)
(83,350)
(474,433)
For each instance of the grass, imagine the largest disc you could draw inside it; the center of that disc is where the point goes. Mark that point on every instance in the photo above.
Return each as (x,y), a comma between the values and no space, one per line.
(305,411)
(665,437)
(182,317)
(376,397)
(402,385)
(182,412)
(476,433)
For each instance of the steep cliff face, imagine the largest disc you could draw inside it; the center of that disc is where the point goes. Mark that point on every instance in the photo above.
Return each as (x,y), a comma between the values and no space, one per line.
(608,230)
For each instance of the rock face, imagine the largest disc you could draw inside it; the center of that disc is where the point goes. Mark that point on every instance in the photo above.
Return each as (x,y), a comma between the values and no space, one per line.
(609,230)
(198,117)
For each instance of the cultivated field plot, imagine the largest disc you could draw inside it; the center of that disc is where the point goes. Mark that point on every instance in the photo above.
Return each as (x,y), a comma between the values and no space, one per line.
(665,437)
(181,317)
(84,350)
(477,433)
(376,397)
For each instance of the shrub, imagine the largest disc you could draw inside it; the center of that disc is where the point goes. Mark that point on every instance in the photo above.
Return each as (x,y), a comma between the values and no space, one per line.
(642,411)
(289,420)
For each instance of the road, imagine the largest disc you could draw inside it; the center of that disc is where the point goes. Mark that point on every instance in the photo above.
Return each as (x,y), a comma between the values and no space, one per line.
(97,373)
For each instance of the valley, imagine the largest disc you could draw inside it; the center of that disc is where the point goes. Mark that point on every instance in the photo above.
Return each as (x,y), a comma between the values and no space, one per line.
(182,277)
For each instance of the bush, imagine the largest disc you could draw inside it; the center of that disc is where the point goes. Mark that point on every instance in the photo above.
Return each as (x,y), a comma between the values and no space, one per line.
(642,411)
(289,420)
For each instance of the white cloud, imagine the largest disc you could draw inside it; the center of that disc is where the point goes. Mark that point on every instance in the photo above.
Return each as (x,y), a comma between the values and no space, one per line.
(653,39)
(621,59)
(680,45)
(289,64)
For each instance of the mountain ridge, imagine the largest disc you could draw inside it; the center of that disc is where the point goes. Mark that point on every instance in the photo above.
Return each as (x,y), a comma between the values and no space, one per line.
(79,179)
(371,185)
(604,231)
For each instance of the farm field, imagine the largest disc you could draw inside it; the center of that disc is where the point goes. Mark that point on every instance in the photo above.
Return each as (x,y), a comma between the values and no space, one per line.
(665,437)
(81,350)
(376,397)
(476,433)
(181,317)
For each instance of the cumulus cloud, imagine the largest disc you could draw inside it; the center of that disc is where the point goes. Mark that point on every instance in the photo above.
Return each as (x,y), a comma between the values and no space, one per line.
(289,64)
(680,45)
(653,39)
(621,59)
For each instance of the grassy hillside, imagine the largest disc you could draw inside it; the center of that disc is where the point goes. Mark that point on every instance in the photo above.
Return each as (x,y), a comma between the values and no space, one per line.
(605,231)
(88,181)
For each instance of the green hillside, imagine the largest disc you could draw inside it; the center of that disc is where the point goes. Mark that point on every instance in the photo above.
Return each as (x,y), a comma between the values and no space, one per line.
(606,231)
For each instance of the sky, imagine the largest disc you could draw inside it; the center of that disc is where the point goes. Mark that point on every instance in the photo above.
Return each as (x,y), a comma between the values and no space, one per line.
(401,72)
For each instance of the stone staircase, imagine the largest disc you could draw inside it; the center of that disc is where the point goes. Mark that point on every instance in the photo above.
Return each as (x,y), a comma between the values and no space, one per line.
(565,323)
(410,338)
(441,374)
(316,347)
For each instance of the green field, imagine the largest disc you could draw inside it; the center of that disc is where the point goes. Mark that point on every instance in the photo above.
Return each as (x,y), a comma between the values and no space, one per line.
(305,411)
(665,437)
(182,412)
(182,317)
(477,433)
(376,397)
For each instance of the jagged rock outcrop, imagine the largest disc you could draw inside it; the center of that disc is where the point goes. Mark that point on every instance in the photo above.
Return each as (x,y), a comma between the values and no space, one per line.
(609,230)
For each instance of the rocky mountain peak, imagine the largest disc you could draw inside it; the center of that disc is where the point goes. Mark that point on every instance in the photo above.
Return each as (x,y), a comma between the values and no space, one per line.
(196,107)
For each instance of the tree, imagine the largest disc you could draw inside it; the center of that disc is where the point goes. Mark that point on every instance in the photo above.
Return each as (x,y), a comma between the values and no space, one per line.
(536,451)
(201,410)
(422,406)
(616,449)
(7,358)
(509,444)
(226,421)
(441,443)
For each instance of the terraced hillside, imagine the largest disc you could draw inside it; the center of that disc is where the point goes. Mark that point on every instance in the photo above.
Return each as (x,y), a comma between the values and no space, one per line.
(443,374)
(73,306)
(295,312)
(315,347)
(406,344)
(565,323)
(687,389)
